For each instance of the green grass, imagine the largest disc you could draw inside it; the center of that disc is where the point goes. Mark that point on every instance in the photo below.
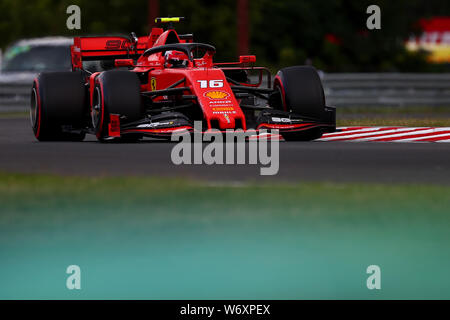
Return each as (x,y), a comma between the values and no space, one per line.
(397,110)
(403,122)
(14,114)
(411,116)
(148,238)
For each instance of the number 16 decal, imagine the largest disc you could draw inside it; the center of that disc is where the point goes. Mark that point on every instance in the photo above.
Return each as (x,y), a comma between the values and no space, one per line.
(212,83)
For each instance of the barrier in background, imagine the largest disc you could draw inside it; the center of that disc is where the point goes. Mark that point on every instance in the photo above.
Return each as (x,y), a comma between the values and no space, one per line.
(341,89)
(15,96)
(386,89)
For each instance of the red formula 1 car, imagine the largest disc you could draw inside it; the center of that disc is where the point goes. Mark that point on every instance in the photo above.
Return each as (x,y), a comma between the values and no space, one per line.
(162,83)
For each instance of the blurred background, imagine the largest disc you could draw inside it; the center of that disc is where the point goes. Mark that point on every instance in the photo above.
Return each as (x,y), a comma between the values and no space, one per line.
(405,63)
(331,34)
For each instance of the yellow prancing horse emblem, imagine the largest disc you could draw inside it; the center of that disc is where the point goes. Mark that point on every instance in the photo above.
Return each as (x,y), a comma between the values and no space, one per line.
(153,84)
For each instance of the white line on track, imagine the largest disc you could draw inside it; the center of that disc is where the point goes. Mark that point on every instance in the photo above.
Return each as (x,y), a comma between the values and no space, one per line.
(427,137)
(366,134)
(348,131)
(398,135)
(379,134)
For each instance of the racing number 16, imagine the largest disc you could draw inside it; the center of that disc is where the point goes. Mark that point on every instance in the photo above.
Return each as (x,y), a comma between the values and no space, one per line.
(212,83)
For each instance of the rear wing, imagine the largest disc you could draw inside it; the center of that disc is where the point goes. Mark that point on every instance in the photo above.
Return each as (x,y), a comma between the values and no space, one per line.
(106,48)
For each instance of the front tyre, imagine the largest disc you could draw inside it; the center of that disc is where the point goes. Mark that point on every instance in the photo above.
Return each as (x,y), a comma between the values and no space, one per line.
(300,91)
(115,92)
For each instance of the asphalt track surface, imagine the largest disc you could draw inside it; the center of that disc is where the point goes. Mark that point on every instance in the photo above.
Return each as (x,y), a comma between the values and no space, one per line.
(377,162)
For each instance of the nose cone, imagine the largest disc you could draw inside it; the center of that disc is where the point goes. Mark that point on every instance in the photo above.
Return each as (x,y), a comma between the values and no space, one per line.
(227,121)
(215,97)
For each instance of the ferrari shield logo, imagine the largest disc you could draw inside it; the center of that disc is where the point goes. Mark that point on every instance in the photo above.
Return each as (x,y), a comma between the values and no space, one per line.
(153,84)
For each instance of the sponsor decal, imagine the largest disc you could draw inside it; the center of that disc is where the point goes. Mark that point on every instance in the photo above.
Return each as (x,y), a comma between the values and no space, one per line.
(216,94)
(116,44)
(227,117)
(153,83)
(215,104)
(220,103)
(199,63)
(154,124)
(223,109)
(224,112)
(285,120)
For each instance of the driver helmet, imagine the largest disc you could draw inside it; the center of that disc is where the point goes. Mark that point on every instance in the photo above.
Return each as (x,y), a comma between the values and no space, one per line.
(175,59)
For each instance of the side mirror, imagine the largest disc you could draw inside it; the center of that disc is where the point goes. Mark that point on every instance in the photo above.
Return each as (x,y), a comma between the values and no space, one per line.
(123,63)
(247,59)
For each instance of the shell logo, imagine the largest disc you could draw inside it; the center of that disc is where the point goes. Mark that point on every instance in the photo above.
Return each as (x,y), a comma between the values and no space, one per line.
(216,94)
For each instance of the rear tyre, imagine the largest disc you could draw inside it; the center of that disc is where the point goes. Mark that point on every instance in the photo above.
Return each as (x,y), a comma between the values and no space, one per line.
(116,92)
(58,99)
(301,92)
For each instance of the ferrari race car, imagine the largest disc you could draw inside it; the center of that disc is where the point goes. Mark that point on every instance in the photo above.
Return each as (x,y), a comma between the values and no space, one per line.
(160,84)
